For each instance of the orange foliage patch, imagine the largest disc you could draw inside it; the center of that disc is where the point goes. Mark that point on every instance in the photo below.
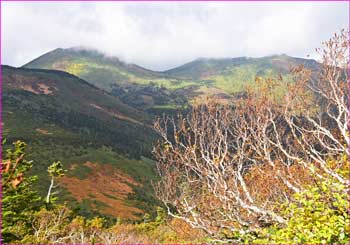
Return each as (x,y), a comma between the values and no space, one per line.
(185,231)
(43,131)
(29,88)
(265,184)
(116,114)
(39,88)
(43,88)
(107,185)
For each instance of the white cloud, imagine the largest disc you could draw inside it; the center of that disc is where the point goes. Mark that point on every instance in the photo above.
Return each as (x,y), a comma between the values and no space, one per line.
(163,35)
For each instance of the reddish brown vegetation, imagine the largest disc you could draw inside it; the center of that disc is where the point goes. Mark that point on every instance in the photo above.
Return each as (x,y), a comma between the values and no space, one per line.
(34,85)
(43,131)
(103,183)
(226,168)
(116,114)
(10,168)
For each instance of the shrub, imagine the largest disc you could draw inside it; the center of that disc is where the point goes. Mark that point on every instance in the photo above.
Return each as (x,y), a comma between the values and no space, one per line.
(320,214)
(19,200)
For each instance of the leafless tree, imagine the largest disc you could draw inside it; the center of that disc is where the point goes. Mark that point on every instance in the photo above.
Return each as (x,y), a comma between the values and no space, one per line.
(225,167)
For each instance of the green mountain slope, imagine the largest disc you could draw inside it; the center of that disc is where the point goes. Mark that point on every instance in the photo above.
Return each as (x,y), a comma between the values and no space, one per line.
(206,67)
(200,77)
(232,74)
(131,83)
(100,70)
(62,117)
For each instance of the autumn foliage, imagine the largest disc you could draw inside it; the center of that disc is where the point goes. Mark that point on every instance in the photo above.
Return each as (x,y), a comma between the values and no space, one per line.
(227,169)
(271,166)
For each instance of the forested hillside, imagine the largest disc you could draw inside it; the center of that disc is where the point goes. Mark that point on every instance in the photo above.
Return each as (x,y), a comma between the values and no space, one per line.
(93,133)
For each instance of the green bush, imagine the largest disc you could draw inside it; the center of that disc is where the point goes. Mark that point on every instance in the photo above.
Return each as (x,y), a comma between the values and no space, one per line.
(19,200)
(320,214)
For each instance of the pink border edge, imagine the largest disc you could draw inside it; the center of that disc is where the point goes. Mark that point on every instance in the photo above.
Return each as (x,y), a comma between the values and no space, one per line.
(174,0)
(141,1)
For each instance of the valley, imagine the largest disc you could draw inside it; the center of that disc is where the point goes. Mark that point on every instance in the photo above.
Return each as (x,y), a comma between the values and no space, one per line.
(95,114)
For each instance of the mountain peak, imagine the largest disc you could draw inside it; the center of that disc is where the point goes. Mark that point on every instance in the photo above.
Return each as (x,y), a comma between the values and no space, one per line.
(93,66)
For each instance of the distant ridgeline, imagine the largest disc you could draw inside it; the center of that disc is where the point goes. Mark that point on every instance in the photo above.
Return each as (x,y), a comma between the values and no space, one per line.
(151,90)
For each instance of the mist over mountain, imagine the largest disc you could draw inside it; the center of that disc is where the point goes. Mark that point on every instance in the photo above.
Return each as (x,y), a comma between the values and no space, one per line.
(201,77)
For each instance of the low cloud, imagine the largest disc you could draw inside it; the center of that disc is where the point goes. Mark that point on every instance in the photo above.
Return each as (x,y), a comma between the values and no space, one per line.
(163,35)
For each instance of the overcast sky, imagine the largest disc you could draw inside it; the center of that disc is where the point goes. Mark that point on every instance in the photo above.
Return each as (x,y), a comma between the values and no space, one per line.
(163,35)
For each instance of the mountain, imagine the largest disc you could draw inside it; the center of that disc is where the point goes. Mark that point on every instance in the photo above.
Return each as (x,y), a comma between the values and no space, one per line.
(232,74)
(93,66)
(202,68)
(103,142)
(172,88)
(94,113)
(130,82)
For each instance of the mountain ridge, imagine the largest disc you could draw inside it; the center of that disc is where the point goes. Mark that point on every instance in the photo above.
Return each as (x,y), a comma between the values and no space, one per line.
(196,79)
(94,53)
(163,72)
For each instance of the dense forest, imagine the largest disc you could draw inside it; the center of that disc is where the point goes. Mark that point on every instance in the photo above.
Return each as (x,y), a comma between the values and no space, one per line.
(269,165)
